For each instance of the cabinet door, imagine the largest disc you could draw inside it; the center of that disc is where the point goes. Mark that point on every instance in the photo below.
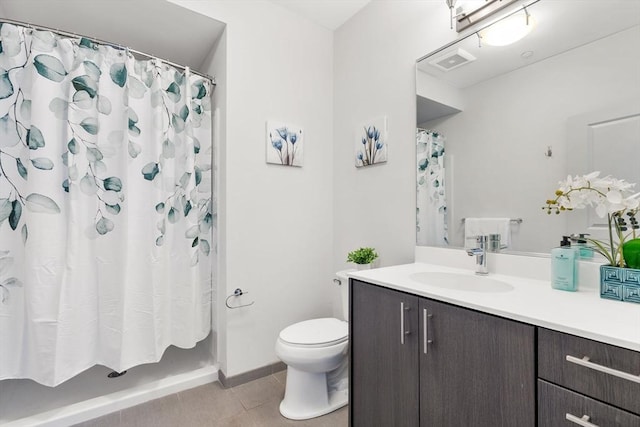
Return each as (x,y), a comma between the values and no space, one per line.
(384,361)
(477,370)
(558,406)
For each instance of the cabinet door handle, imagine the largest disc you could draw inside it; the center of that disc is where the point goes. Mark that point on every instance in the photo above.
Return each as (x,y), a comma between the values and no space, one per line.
(596,367)
(425,327)
(584,421)
(402,331)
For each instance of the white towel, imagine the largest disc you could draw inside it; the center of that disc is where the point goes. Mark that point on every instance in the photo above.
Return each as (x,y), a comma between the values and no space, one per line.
(484,226)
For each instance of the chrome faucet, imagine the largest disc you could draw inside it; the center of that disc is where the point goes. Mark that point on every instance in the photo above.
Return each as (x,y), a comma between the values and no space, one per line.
(480,251)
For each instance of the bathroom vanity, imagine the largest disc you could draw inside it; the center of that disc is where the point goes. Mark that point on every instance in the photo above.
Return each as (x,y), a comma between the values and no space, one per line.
(521,354)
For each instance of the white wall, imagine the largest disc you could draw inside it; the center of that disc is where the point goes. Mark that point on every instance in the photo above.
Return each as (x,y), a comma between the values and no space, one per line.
(277,221)
(510,120)
(374,75)
(436,90)
(216,65)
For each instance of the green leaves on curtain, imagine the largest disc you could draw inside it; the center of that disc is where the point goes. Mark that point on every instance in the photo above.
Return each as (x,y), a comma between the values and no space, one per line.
(105,160)
(431,211)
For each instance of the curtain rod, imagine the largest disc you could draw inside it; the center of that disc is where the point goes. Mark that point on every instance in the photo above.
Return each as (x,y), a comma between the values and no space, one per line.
(103,42)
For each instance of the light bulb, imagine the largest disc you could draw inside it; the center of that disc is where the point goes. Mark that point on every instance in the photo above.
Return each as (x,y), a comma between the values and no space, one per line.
(508,30)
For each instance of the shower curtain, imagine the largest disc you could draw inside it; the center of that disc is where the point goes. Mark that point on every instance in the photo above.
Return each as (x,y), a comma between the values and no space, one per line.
(431,208)
(106,208)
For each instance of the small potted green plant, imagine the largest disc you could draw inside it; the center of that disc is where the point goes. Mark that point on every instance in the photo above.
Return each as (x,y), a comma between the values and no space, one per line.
(362,257)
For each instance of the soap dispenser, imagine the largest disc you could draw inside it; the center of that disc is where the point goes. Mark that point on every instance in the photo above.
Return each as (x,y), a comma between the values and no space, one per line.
(581,242)
(564,266)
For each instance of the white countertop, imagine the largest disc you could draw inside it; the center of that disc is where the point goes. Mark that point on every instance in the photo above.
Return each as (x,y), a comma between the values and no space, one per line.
(582,313)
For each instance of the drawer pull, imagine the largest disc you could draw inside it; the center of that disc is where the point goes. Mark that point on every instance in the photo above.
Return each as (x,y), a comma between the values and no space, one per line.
(584,421)
(596,367)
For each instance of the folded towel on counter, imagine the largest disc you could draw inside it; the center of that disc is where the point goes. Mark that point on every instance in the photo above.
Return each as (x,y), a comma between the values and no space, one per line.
(484,226)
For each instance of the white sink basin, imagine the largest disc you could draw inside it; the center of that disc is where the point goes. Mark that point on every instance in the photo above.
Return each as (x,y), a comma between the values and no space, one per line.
(461,282)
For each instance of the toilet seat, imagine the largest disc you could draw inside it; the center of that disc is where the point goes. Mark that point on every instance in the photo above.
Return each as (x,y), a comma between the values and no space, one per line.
(316,333)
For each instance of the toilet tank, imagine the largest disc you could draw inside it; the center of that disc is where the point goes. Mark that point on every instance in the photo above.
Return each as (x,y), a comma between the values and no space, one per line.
(343,283)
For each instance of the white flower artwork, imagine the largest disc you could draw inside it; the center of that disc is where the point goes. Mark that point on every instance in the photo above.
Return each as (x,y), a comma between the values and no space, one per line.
(284,144)
(371,143)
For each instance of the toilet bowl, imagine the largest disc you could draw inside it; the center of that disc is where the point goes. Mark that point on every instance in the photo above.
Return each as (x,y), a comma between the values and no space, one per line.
(315,352)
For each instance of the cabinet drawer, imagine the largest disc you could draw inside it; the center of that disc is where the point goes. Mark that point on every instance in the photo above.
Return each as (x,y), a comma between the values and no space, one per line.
(561,360)
(558,406)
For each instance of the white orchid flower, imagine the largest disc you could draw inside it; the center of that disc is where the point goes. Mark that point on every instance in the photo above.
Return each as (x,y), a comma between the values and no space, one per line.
(614,197)
(601,211)
(591,176)
(632,202)
(609,197)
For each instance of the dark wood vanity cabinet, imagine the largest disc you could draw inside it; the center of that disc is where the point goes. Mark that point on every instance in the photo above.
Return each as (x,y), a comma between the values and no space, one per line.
(585,382)
(418,362)
(384,380)
(558,406)
(475,369)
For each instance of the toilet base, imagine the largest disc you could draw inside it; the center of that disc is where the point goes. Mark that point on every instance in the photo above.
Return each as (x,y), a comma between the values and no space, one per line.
(306,396)
(337,400)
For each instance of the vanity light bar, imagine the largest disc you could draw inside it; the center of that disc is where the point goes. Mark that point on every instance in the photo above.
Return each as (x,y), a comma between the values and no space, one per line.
(467,19)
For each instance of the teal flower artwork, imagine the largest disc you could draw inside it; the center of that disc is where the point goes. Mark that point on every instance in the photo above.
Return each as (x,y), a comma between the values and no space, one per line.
(285,144)
(371,143)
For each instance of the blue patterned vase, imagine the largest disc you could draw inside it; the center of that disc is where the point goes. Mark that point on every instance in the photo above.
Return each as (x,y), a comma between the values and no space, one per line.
(622,284)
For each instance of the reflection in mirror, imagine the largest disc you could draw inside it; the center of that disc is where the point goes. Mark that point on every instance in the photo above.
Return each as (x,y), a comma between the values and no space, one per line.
(431,214)
(512,121)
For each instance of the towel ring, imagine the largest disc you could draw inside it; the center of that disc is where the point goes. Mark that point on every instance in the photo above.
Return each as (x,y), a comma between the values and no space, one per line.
(238,292)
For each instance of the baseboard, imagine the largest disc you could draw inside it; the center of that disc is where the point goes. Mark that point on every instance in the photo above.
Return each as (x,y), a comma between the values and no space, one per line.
(236,380)
(103,405)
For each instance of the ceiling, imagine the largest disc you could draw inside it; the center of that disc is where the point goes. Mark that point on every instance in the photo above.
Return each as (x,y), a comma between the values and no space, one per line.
(559,27)
(330,14)
(165,27)
(162,32)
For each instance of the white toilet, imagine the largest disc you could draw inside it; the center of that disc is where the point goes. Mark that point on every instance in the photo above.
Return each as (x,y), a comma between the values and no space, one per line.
(315,352)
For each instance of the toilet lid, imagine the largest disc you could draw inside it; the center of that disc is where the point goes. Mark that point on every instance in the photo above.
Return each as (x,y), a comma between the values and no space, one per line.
(316,331)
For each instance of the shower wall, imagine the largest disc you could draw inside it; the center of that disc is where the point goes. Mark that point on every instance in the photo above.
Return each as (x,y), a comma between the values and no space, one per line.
(275,222)
(216,64)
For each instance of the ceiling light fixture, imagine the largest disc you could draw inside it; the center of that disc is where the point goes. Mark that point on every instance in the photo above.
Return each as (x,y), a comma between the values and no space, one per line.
(508,30)
(451,4)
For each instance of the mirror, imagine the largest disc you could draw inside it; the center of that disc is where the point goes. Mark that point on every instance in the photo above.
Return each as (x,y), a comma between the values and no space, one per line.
(503,125)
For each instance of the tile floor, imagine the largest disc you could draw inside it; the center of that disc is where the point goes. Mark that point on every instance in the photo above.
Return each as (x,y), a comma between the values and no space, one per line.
(254,404)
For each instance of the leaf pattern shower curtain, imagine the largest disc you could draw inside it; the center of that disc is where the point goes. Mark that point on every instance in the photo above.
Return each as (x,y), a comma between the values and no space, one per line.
(431,210)
(106,208)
